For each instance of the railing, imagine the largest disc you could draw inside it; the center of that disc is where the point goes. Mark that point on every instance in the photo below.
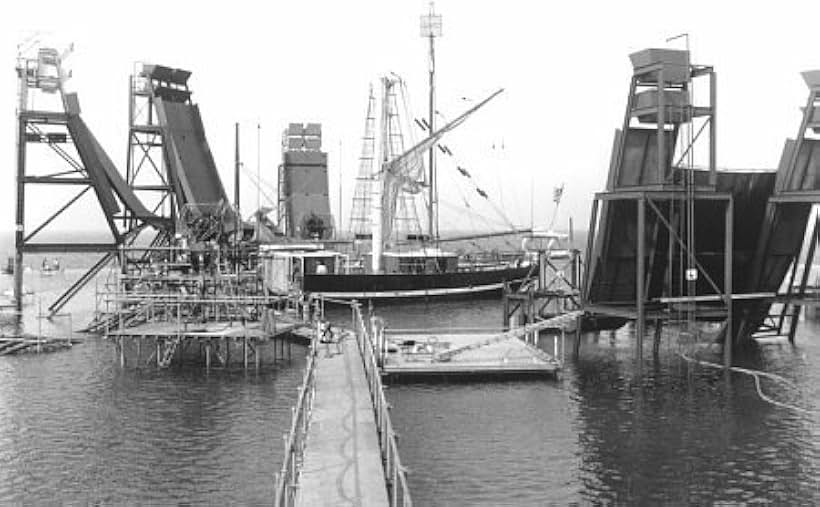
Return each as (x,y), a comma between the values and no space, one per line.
(394,472)
(287,477)
(396,478)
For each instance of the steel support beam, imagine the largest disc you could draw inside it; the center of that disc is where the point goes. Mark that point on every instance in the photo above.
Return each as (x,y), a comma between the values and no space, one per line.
(68,247)
(728,263)
(640,323)
(807,263)
(713,128)
(661,127)
(590,261)
(19,220)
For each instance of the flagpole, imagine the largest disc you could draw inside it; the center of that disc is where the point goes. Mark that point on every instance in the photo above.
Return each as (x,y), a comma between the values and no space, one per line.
(532,212)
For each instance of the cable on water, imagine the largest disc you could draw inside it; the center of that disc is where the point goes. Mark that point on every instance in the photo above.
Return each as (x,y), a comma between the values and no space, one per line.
(756,374)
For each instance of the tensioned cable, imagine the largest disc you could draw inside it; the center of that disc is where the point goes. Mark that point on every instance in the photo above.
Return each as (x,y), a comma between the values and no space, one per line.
(756,374)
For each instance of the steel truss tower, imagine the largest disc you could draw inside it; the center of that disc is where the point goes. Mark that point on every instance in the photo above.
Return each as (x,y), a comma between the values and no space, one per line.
(55,127)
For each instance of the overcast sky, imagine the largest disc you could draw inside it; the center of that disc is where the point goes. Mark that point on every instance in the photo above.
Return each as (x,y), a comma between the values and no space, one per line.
(564,66)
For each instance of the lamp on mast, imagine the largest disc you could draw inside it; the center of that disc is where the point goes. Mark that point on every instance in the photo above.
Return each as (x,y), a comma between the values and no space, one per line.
(431,28)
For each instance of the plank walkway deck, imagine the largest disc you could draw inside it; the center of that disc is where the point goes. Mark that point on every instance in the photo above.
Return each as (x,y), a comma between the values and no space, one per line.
(475,354)
(342,462)
(168,329)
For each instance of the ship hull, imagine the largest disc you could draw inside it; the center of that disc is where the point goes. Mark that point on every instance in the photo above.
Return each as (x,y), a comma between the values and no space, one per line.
(454,285)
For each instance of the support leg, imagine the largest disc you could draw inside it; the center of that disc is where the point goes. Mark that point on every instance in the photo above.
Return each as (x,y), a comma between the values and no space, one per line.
(639,279)
(727,282)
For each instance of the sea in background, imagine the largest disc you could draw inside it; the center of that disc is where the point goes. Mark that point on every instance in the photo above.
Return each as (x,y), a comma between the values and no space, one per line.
(77,428)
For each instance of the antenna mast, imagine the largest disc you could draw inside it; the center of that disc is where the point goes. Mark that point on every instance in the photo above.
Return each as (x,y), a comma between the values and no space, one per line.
(431,28)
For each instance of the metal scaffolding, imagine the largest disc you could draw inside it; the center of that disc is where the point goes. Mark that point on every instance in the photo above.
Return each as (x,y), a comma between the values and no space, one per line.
(651,200)
(56,127)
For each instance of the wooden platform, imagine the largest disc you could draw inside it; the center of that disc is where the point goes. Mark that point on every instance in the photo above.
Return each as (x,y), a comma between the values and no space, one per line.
(206,330)
(342,461)
(17,345)
(216,343)
(464,354)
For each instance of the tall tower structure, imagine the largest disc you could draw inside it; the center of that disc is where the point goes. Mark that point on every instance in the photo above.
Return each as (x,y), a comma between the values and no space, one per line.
(431,29)
(57,152)
(304,203)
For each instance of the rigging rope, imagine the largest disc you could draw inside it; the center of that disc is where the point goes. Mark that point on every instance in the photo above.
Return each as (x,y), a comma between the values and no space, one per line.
(466,174)
(756,374)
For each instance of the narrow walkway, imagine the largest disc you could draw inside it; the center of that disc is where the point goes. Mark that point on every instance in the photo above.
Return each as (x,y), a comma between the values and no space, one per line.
(342,462)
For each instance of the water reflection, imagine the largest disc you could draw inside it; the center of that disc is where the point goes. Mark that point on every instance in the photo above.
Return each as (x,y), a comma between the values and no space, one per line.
(76,428)
(612,432)
(682,434)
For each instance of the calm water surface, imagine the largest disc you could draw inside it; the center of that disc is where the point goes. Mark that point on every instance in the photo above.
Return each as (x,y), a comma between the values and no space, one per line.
(611,432)
(77,428)
(74,427)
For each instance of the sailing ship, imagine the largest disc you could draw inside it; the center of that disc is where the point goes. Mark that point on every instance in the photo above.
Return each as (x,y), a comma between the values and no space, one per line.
(394,256)
(402,260)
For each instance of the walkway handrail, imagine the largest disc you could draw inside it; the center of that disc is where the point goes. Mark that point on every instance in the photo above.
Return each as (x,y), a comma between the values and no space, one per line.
(395,474)
(287,477)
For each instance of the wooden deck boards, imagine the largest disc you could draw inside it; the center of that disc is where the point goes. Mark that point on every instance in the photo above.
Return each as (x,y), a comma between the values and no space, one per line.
(509,356)
(342,462)
(204,330)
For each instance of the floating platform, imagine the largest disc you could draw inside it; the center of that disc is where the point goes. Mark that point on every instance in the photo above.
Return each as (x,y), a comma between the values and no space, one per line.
(219,341)
(22,344)
(206,330)
(464,354)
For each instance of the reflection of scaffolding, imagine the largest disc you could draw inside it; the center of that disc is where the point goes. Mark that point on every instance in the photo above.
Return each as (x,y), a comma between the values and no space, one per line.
(642,261)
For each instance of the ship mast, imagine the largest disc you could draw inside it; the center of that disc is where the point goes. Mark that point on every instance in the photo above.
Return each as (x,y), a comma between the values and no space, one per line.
(431,28)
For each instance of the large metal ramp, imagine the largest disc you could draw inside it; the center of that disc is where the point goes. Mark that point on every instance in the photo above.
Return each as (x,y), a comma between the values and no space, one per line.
(749,226)
(106,179)
(613,268)
(780,248)
(194,173)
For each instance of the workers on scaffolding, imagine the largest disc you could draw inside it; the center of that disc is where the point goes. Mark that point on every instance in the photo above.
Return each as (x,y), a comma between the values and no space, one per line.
(205,257)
